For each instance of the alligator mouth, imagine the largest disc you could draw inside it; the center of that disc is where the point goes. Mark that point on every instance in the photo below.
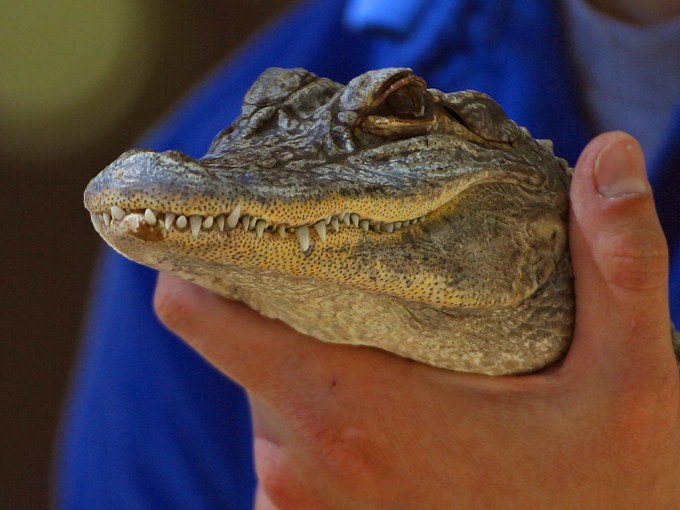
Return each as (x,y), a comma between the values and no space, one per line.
(198,224)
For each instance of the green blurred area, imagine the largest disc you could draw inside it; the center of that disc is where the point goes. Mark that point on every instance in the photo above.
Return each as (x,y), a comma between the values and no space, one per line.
(70,69)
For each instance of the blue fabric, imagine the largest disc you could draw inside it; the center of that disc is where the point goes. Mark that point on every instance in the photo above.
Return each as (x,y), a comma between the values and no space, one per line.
(150,425)
(142,432)
(615,61)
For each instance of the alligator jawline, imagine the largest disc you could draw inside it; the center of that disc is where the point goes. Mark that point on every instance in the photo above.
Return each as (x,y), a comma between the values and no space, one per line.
(223,222)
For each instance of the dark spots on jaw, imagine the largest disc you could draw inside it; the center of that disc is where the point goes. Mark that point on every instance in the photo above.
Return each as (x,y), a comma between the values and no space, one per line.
(456,280)
(408,238)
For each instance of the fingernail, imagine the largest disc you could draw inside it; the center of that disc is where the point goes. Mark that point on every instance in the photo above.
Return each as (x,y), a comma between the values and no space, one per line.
(620,169)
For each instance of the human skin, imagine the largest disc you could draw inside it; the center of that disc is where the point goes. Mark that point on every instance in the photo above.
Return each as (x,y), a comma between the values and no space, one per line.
(340,427)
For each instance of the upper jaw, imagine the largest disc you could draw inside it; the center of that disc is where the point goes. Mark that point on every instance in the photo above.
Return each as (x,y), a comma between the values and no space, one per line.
(292,195)
(144,191)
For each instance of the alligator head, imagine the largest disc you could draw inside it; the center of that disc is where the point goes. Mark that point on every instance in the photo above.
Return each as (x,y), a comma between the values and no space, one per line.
(380,213)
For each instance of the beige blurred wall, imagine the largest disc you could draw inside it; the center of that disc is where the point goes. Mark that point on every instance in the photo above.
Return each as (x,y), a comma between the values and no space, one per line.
(80,81)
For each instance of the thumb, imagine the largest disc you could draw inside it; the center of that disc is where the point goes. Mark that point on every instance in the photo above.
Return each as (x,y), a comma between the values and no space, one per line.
(620,260)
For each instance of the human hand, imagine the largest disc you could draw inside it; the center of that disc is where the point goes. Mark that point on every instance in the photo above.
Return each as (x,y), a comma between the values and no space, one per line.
(341,427)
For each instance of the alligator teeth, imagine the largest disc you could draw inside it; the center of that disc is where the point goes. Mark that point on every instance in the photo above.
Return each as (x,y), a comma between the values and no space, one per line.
(320,227)
(195,221)
(233,217)
(245,221)
(198,222)
(169,220)
(220,222)
(117,213)
(181,222)
(260,225)
(150,217)
(302,234)
(96,222)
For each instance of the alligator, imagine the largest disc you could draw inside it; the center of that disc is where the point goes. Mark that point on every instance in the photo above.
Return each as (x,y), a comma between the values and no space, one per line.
(380,213)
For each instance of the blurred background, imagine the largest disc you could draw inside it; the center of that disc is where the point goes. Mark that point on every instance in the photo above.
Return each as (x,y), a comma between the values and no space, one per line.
(80,82)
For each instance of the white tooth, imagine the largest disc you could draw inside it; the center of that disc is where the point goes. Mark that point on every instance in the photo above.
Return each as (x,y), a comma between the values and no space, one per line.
(405,223)
(259,227)
(245,221)
(355,219)
(377,227)
(150,217)
(320,227)
(208,222)
(96,222)
(335,224)
(364,225)
(397,225)
(344,218)
(220,222)
(302,234)
(328,219)
(181,222)
(169,220)
(233,217)
(107,219)
(253,222)
(117,213)
(281,229)
(389,227)
(414,221)
(195,221)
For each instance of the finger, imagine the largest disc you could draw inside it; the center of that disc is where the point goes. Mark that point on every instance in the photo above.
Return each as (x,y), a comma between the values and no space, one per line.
(234,338)
(620,260)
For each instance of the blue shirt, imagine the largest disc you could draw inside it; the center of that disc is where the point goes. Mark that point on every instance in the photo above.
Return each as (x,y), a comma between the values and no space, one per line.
(151,425)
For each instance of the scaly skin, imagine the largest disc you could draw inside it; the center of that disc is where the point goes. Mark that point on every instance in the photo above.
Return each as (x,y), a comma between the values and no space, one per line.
(381,213)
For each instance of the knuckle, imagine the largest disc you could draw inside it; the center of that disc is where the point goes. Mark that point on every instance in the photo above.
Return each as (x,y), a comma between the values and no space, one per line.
(278,477)
(636,260)
(350,455)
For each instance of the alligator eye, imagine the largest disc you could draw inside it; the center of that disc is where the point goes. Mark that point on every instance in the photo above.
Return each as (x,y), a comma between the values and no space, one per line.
(402,109)
(405,98)
(407,101)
